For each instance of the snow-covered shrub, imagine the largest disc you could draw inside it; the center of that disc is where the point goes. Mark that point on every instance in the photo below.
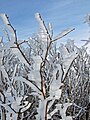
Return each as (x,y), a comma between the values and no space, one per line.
(41,81)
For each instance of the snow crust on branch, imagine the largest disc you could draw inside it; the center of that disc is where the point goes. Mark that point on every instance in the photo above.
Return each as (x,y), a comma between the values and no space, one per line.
(41,80)
(9,26)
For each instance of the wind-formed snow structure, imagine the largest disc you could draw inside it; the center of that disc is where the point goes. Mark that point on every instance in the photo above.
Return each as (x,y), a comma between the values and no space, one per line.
(35,80)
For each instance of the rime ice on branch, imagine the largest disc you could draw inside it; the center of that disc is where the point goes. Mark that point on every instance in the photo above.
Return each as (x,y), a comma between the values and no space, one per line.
(40,81)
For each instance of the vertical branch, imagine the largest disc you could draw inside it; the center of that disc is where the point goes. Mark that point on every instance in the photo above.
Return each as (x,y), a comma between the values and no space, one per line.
(46,111)
(45,31)
(49,45)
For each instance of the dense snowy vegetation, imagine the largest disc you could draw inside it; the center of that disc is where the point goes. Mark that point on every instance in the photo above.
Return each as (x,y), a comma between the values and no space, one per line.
(40,81)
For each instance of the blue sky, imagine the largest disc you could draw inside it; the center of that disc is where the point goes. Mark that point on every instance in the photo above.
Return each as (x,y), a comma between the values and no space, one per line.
(61,13)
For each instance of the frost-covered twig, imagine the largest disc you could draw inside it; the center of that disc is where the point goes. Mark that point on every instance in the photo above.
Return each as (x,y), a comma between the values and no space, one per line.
(62,34)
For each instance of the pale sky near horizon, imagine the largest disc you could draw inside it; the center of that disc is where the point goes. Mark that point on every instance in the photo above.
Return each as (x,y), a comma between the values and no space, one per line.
(62,14)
